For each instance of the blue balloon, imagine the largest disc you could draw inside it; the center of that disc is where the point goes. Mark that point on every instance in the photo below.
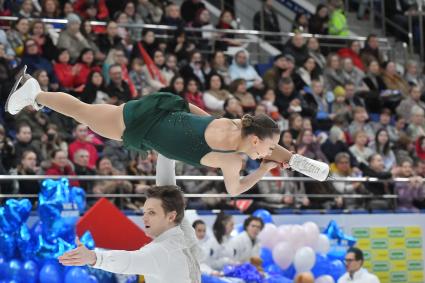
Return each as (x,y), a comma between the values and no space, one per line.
(264,215)
(50,273)
(273,269)
(93,279)
(336,253)
(211,279)
(77,274)
(277,279)
(7,245)
(289,272)
(337,269)
(3,267)
(14,270)
(266,256)
(30,271)
(322,266)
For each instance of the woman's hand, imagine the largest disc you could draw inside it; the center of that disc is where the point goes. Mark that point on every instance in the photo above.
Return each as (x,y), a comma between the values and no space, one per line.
(79,256)
(269,164)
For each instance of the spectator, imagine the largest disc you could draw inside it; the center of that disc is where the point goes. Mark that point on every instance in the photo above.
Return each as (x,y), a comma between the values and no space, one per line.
(90,34)
(172,16)
(370,51)
(232,108)
(18,34)
(71,38)
(203,22)
(409,193)
(385,123)
(156,80)
(239,89)
(315,52)
(37,121)
(335,144)
(307,146)
(341,109)
(148,42)
(50,9)
(102,13)
(133,19)
(413,76)
(241,68)
(28,166)
(176,86)
(272,76)
(307,71)
(67,9)
(118,90)
(51,142)
(352,97)
(297,48)
(181,46)
(81,164)
(85,65)
(193,95)
(375,82)
(150,11)
(220,66)
(8,52)
(82,142)
(7,152)
(216,249)
(359,149)
(301,23)
(117,154)
(138,78)
(319,104)
(375,168)
(200,231)
(64,71)
(24,141)
(360,123)
(333,73)
(45,43)
(353,74)
(118,57)
(26,9)
(267,20)
(353,52)
(110,39)
(381,145)
(246,245)
(43,79)
(225,40)
(318,23)
(215,95)
(34,61)
(355,273)
(287,98)
(94,91)
(61,166)
(393,80)
(337,19)
(190,8)
(170,68)
(195,68)
(416,127)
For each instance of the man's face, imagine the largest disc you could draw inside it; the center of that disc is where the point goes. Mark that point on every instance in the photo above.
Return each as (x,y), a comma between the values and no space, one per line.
(287,89)
(155,219)
(116,75)
(241,58)
(82,158)
(343,165)
(81,132)
(351,264)
(24,135)
(253,229)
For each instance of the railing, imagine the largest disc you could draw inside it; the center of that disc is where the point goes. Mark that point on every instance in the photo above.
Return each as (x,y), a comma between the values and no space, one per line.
(326,40)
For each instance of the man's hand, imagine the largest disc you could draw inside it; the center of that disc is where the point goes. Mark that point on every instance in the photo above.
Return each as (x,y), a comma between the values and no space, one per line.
(79,256)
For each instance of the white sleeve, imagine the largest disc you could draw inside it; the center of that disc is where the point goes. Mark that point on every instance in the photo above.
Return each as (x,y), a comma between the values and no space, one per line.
(213,103)
(141,262)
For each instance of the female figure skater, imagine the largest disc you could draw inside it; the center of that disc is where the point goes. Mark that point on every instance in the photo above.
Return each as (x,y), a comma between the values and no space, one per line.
(178,130)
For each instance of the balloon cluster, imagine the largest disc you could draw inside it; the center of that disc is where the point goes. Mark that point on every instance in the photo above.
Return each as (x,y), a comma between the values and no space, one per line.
(291,249)
(29,255)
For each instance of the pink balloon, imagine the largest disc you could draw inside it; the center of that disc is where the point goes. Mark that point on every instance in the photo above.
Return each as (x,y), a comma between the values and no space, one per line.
(267,236)
(283,254)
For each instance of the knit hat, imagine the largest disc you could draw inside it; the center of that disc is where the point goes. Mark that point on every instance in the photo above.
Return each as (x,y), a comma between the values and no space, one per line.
(339,91)
(73,18)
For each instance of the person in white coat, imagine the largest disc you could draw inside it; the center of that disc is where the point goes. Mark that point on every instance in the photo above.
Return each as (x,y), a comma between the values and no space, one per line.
(173,254)
(355,272)
(246,244)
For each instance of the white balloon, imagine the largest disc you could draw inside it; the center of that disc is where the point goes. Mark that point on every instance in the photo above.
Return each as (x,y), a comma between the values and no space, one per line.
(324,279)
(323,244)
(312,232)
(283,254)
(297,236)
(304,259)
(268,236)
(283,233)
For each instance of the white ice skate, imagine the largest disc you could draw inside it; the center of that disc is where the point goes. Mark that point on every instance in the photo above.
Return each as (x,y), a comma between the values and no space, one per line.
(19,98)
(309,167)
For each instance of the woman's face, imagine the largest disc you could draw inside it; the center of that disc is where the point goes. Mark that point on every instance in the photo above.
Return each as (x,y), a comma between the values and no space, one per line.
(335,62)
(159,58)
(227,18)
(310,65)
(88,57)
(120,57)
(406,169)
(391,70)
(287,138)
(313,44)
(171,62)
(229,225)
(60,159)
(64,57)
(323,12)
(192,86)
(200,231)
(38,29)
(179,84)
(215,83)
(307,137)
(149,37)
(50,6)
(270,95)
(23,26)
(129,9)
(260,109)
(43,79)
(68,8)
(29,161)
(87,27)
(412,69)
(262,148)
(383,137)
(374,67)
(361,139)
(241,88)
(31,47)
(355,46)
(219,59)
(97,79)
(205,16)
(298,122)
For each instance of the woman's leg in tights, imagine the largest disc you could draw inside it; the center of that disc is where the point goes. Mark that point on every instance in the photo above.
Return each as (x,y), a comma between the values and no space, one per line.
(104,119)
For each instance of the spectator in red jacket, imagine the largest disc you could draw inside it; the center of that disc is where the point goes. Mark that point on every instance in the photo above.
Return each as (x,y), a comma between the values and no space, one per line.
(85,65)
(64,71)
(82,142)
(353,52)
(61,166)
(193,95)
(81,7)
